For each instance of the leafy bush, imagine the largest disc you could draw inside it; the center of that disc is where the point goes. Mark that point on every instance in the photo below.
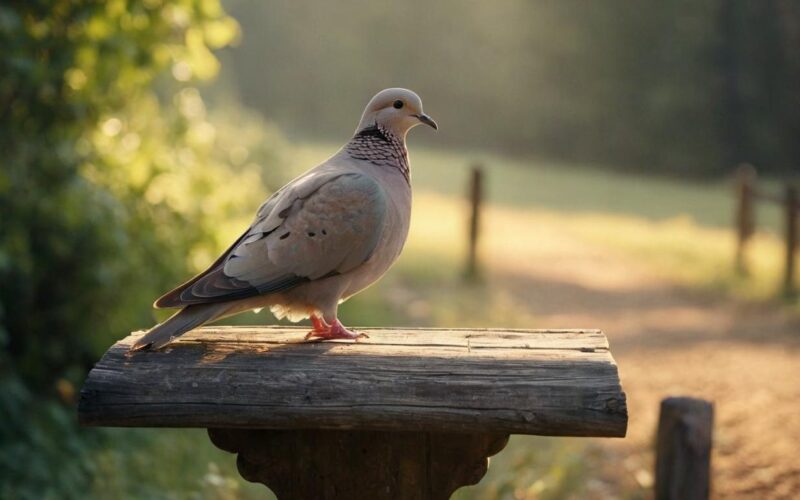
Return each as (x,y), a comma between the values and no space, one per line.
(106,185)
(112,173)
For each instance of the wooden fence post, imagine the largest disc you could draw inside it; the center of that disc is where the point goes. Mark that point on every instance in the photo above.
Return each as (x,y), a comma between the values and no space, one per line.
(745,213)
(475,200)
(683,449)
(791,208)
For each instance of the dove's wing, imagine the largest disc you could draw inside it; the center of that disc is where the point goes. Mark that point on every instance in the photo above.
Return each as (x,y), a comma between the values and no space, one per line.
(321,224)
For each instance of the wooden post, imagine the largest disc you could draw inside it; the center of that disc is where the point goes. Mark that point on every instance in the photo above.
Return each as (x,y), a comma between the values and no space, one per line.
(402,414)
(475,199)
(745,213)
(298,465)
(791,208)
(683,449)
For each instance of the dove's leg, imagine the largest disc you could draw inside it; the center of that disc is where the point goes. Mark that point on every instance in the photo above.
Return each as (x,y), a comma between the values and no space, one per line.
(336,330)
(319,324)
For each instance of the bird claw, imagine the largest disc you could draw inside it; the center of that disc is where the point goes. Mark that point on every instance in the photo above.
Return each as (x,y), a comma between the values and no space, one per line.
(334,331)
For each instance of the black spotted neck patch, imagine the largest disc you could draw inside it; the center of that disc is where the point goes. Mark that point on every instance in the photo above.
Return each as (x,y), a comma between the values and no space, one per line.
(380,147)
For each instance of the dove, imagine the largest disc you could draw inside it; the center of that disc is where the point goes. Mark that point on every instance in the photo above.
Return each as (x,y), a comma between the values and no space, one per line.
(320,239)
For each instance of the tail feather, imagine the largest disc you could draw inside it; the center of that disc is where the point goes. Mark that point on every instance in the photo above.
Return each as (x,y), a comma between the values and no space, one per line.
(186,319)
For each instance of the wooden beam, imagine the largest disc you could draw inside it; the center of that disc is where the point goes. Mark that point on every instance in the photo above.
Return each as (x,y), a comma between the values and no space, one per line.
(549,382)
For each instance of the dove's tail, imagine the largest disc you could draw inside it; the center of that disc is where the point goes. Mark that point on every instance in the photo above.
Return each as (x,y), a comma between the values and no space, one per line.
(186,319)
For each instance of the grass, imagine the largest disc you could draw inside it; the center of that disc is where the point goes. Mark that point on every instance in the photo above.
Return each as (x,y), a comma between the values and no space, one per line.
(683,251)
(168,463)
(565,188)
(681,230)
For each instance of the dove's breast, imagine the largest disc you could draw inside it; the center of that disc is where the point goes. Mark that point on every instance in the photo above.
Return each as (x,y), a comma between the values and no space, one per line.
(394,232)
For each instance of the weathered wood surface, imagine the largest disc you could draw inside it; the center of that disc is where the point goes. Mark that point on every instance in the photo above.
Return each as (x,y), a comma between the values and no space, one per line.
(301,464)
(683,449)
(549,382)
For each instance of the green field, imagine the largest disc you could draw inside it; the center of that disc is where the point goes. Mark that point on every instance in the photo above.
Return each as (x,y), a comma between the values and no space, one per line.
(680,229)
(566,188)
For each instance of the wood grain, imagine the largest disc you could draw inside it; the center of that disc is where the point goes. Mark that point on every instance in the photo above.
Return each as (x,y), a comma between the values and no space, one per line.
(549,382)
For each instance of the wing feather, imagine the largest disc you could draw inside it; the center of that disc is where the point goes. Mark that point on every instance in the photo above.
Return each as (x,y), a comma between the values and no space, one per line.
(322,224)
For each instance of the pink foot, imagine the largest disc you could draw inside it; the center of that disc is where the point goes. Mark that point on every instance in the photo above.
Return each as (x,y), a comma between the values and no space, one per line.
(334,331)
(319,325)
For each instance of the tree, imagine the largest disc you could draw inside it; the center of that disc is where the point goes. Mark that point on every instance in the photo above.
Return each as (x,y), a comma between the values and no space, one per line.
(83,135)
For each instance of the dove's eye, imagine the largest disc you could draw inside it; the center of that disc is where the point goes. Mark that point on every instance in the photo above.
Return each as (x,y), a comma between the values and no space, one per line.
(398,104)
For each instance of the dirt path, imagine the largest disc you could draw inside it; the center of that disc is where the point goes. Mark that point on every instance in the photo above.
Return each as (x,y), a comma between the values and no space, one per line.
(671,341)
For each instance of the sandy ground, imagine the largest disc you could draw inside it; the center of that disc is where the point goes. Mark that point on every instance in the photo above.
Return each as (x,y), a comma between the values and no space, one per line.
(670,341)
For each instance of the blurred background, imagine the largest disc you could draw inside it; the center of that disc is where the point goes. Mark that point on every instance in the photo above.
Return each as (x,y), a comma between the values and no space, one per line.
(138,137)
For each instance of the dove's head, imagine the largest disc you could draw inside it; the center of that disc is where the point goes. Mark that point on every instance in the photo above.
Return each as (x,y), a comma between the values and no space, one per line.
(396,110)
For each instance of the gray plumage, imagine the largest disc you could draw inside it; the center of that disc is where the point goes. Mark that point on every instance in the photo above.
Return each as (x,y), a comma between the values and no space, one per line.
(320,239)
(186,319)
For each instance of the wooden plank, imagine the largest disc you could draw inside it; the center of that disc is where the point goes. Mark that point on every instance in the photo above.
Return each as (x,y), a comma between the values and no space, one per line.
(683,449)
(551,382)
(473,338)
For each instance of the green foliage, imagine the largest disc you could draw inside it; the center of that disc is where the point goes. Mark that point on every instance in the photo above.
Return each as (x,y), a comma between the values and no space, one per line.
(43,455)
(106,186)
(535,467)
(46,456)
(114,183)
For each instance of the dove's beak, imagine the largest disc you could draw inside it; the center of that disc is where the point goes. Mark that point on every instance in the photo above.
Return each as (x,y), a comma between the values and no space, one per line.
(427,120)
